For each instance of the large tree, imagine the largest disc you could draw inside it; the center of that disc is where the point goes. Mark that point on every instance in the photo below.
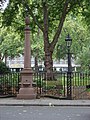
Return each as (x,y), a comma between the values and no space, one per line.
(11,44)
(80,47)
(48,15)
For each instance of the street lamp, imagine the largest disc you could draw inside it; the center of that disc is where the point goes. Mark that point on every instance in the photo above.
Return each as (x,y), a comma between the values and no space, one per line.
(68,40)
(69,82)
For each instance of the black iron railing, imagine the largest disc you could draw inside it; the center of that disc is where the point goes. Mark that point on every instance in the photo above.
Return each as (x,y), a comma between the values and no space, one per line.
(9,84)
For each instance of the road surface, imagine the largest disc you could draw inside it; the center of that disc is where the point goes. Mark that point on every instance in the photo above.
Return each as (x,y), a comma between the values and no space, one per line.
(44,113)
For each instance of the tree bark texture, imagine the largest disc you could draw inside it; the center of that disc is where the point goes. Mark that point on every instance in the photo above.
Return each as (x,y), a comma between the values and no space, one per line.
(48,54)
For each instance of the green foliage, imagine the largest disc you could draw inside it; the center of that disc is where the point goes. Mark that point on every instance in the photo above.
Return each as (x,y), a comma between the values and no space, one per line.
(17,10)
(88,89)
(37,46)
(84,58)
(86,13)
(40,83)
(11,42)
(79,33)
(3,68)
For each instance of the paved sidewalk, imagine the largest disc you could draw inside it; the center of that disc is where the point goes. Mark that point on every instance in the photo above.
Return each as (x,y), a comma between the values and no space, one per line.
(42,102)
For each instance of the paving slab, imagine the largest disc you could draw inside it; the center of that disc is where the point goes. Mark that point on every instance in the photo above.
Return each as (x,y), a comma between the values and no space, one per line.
(42,102)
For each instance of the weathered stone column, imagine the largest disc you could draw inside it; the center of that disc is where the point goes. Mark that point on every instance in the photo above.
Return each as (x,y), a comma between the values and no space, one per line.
(26,90)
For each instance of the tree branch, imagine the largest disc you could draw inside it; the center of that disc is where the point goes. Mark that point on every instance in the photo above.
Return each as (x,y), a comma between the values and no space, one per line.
(32,15)
(72,5)
(62,19)
(45,19)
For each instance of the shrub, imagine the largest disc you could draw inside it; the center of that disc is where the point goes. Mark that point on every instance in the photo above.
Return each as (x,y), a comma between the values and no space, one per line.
(3,68)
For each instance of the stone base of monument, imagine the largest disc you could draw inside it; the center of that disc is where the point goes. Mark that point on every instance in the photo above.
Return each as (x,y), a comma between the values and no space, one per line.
(26,93)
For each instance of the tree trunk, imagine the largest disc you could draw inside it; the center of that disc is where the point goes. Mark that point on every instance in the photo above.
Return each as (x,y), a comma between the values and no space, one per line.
(49,66)
(48,54)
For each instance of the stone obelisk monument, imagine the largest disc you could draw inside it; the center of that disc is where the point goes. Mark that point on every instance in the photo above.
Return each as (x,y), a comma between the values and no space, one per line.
(26,90)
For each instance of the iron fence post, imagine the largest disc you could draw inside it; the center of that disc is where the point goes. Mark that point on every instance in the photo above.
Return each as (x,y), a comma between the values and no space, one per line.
(69,79)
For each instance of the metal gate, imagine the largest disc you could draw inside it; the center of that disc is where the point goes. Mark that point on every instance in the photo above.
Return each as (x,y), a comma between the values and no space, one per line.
(55,88)
(79,87)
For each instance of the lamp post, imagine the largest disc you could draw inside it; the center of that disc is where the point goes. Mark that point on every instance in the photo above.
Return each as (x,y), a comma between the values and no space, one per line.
(69,81)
